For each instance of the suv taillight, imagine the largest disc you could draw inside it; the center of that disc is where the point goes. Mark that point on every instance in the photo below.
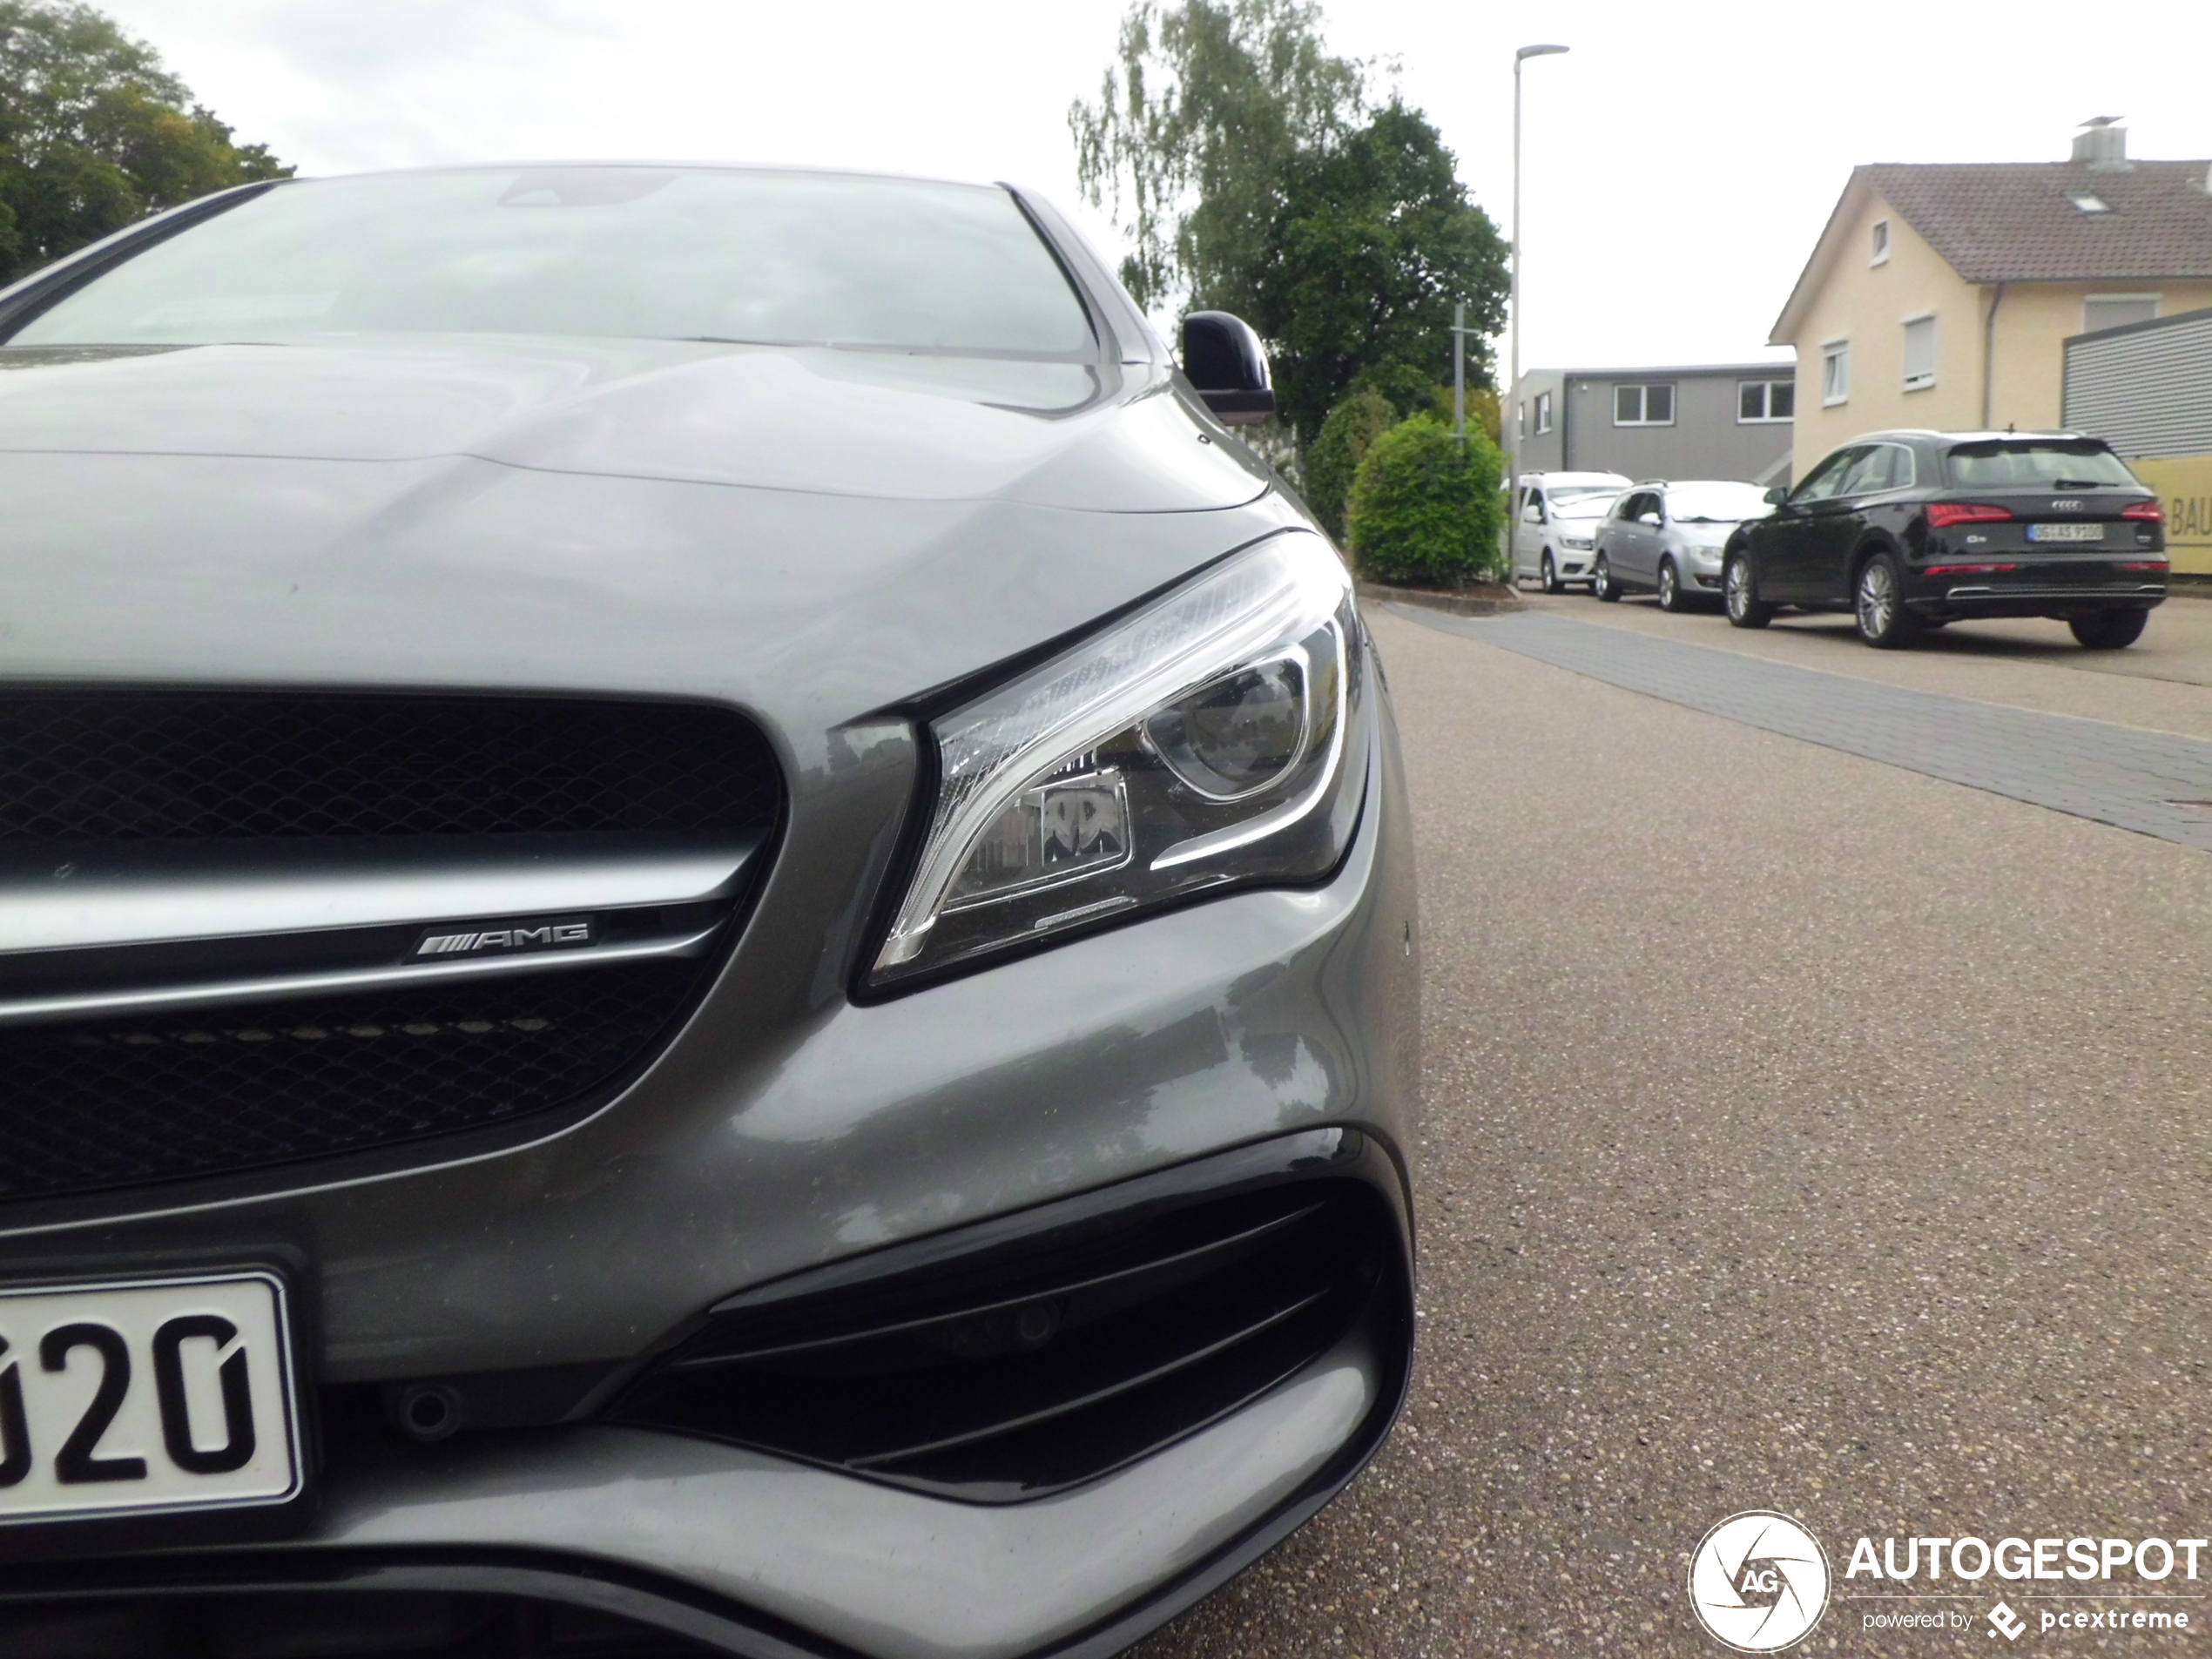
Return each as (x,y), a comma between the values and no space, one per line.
(2150,511)
(1943,514)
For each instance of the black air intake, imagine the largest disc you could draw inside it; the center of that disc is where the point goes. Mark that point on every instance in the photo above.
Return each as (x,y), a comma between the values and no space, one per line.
(1033,1366)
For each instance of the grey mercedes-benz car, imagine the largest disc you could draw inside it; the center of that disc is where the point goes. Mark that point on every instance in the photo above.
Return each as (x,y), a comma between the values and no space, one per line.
(708,939)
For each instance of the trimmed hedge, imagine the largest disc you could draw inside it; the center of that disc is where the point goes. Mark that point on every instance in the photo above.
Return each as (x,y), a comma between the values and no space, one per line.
(1339,447)
(1424,508)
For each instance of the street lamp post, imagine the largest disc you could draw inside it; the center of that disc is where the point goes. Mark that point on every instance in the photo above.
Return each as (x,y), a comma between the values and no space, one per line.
(1509,415)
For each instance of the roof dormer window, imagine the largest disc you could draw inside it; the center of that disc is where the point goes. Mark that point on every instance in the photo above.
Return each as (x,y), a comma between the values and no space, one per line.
(2089,201)
(1881,243)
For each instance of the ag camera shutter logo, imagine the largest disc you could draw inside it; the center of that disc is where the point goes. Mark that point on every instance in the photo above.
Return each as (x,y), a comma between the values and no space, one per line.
(1758,1582)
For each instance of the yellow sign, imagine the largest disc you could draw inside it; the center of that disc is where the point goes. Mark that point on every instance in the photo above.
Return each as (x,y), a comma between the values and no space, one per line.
(2184,485)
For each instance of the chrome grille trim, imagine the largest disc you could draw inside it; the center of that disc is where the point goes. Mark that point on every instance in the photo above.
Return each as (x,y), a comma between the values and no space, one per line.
(280,987)
(66,898)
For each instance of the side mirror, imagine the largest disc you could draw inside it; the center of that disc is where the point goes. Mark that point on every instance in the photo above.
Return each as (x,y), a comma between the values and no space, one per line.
(1776,494)
(1223,359)
(1651,519)
(1533,514)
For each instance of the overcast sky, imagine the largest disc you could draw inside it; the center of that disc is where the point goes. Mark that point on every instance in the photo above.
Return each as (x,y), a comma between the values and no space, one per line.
(1679,161)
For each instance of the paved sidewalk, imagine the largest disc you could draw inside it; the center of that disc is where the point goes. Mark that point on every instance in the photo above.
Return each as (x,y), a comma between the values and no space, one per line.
(2151,782)
(2161,684)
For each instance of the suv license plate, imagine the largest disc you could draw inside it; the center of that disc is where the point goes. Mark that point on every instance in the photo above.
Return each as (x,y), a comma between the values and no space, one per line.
(145,1397)
(2066,532)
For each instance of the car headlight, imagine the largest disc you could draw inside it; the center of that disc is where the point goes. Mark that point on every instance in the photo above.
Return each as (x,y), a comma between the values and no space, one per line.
(1216,736)
(1580,543)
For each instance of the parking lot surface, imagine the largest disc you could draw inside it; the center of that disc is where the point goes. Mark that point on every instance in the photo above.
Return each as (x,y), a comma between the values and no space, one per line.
(2163,683)
(2154,783)
(1804,1133)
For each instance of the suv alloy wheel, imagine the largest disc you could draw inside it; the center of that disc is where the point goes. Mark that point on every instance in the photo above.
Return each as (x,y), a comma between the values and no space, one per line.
(1601,582)
(1878,604)
(1669,587)
(1550,581)
(1741,594)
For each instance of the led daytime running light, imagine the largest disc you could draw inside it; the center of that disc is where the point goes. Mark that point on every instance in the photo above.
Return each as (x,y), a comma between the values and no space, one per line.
(1245,610)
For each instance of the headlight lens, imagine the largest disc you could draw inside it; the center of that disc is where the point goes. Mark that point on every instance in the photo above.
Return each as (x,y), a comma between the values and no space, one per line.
(1215,737)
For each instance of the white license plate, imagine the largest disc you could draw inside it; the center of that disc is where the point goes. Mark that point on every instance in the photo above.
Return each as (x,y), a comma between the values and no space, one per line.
(146,1396)
(2066,532)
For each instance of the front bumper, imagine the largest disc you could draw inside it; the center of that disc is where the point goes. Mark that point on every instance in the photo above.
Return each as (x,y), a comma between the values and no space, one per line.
(1270,1025)
(761,1555)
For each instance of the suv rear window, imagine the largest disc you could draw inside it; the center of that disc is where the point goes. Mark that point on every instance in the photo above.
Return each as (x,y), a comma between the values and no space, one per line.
(2036,464)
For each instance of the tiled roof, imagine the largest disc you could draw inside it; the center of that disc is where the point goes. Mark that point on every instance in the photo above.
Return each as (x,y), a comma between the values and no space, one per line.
(2016,221)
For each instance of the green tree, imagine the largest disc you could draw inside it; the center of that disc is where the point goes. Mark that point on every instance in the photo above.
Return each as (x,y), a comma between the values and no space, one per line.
(1194,130)
(94,134)
(1375,239)
(1425,506)
(1333,460)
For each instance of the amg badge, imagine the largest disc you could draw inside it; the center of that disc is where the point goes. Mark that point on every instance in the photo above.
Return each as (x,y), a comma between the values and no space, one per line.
(529,935)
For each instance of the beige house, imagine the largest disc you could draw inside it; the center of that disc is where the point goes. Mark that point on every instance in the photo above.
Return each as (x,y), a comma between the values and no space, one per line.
(1941,296)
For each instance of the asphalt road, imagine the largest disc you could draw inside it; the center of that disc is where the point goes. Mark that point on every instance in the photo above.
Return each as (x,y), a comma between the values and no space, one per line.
(1803,1133)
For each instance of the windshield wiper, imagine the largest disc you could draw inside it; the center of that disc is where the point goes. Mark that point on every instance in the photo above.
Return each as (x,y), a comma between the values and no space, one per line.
(2079,484)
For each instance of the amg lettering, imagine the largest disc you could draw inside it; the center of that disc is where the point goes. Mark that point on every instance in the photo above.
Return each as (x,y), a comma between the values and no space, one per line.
(540,935)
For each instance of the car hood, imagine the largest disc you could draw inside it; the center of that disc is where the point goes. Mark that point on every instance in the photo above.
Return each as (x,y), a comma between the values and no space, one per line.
(828,422)
(809,536)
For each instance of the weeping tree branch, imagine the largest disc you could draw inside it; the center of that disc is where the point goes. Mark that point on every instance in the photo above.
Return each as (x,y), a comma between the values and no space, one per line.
(1193,133)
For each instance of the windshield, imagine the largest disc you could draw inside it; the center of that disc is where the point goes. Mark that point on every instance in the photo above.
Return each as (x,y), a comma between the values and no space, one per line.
(634,253)
(2037,463)
(1590,504)
(1715,504)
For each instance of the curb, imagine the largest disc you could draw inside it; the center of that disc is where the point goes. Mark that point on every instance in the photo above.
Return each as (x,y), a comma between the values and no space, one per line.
(1486,599)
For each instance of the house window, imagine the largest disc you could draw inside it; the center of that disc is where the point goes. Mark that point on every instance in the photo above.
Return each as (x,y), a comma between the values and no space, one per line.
(1652,404)
(1881,242)
(1835,372)
(1520,420)
(1919,352)
(1543,413)
(1760,403)
(2116,310)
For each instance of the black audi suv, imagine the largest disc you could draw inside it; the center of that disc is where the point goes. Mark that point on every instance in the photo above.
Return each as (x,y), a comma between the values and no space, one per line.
(1910,530)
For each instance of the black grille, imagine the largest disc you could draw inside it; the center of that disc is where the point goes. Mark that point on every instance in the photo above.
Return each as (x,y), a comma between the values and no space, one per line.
(132,766)
(1034,1368)
(116,1103)
(93,1105)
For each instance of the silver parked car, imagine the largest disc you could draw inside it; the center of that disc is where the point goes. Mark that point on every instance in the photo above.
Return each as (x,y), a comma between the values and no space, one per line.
(1553,524)
(1668,539)
(708,936)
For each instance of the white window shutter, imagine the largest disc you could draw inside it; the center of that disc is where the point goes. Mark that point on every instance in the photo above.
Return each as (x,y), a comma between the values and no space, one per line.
(1921,352)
